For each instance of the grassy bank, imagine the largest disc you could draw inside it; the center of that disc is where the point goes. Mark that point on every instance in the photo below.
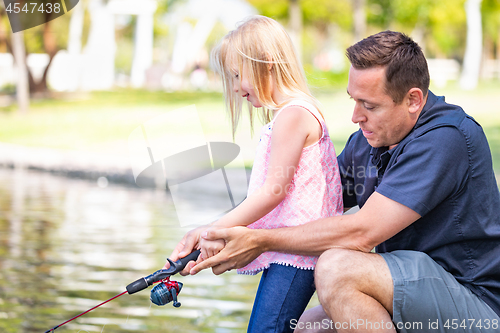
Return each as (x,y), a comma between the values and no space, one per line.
(95,121)
(102,121)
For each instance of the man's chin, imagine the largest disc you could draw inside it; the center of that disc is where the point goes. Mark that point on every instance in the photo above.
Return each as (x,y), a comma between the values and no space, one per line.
(374,143)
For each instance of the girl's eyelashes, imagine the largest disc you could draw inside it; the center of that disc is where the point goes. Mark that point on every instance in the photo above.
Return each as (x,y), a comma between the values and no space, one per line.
(233,73)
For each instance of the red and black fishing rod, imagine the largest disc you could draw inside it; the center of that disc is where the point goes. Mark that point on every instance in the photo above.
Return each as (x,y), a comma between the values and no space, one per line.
(162,294)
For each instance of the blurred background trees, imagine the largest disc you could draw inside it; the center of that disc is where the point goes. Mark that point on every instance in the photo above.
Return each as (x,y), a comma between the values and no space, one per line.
(459,37)
(443,29)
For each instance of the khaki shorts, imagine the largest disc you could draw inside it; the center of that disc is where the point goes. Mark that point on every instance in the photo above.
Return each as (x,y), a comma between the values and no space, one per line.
(429,299)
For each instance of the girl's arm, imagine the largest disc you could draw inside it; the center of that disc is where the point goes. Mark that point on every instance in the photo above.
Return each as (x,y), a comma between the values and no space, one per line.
(295,129)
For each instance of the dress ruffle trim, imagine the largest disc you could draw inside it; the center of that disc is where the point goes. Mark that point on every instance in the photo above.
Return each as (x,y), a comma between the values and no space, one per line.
(260,269)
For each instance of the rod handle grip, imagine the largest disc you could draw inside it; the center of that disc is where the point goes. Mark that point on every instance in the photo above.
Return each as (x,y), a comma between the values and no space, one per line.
(137,285)
(193,256)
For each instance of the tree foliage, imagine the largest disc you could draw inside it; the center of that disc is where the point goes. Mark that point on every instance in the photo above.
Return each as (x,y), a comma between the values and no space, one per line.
(491,19)
(277,9)
(319,13)
(322,13)
(443,23)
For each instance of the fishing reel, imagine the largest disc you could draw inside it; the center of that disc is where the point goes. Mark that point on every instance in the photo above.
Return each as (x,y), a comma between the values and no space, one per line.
(165,292)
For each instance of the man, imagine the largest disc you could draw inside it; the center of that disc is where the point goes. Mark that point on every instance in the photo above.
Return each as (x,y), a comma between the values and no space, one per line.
(421,172)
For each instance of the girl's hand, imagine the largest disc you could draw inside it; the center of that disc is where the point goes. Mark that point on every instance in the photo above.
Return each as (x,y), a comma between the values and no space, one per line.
(209,248)
(242,246)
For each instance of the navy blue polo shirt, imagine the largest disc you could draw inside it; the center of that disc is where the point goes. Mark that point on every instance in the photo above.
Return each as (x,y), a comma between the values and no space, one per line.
(443,171)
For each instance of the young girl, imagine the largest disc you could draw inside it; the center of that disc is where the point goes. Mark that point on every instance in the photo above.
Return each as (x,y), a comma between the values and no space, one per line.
(295,177)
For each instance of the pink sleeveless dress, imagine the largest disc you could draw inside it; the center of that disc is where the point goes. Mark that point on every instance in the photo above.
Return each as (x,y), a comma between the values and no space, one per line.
(315,191)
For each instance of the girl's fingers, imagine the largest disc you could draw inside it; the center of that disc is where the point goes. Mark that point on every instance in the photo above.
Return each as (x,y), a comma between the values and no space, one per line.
(208,263)
(204,254)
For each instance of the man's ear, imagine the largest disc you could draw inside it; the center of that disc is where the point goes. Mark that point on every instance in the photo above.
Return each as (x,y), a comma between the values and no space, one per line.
(415,100)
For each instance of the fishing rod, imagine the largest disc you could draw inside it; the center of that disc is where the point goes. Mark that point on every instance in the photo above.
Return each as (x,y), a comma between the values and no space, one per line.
(161,294)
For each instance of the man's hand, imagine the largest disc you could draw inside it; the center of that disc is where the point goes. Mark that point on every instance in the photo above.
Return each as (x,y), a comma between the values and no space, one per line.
(242,246)
(188,243)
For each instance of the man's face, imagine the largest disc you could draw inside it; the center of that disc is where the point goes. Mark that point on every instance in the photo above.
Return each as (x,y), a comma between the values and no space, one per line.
(383,122)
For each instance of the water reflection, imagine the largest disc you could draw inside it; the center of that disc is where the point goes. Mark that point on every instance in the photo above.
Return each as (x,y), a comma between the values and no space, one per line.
(66,245)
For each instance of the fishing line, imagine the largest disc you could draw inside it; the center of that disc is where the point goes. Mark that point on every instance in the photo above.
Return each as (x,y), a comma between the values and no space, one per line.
(81,314)
(165,292)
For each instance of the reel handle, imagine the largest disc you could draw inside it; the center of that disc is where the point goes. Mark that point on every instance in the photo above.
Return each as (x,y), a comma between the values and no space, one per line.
(174,298)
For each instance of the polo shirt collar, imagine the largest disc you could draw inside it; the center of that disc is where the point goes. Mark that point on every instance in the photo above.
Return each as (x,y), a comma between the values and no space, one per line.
(425,116)
(380,156)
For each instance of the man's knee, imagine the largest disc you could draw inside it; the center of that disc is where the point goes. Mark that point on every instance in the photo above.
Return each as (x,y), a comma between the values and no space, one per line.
(341,270)
(333,267)
(342,273)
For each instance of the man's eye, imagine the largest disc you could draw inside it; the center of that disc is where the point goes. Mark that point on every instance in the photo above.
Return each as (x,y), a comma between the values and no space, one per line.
(369,107)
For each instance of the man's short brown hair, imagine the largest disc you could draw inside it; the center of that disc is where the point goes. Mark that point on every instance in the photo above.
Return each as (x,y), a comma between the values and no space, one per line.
(404,62)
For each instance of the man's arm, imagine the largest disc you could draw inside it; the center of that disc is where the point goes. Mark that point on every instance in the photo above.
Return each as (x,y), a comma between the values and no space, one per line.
(378,220)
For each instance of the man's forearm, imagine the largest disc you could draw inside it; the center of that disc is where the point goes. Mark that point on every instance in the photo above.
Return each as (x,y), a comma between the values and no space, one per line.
(378,220)
(313,238)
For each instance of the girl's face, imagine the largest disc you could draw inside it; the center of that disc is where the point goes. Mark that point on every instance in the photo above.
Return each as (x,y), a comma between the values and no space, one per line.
(246,88)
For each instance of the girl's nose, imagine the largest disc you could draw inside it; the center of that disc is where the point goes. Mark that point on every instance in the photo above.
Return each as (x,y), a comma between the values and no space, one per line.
(236,85)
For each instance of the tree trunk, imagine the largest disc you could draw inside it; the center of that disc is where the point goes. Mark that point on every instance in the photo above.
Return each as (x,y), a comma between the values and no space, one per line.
(76,30)
(22,86)
(41,87)
(359,20)
(498,55)
(474,47)
(50,47)
(4,36)
(295,26)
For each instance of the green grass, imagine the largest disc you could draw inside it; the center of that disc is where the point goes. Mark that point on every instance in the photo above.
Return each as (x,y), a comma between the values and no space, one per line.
(102,121)
(97,122)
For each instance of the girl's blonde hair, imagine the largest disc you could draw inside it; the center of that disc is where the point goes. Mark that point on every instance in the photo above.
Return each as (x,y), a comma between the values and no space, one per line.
(263,47)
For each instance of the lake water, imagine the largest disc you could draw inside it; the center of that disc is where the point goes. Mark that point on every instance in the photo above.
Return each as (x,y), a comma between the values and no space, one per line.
(66,245)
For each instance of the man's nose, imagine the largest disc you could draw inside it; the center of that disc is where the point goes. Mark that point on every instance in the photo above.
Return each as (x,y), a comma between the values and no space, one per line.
(358,115)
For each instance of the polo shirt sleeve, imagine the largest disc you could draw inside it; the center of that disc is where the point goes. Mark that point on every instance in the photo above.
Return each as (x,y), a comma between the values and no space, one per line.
(430,168)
